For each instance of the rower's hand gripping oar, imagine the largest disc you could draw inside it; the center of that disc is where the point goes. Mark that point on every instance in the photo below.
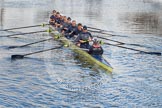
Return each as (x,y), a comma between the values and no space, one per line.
(49,30)
(13,57)
(29,44)
(25,27)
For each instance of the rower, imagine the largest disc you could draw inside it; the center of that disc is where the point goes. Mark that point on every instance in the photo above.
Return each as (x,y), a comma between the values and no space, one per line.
(62,19)
(69,21)
(84,38)
(96,49)
(52,22)
(58,21)
(64,24)
(76,31)
(53,16)
(72,27)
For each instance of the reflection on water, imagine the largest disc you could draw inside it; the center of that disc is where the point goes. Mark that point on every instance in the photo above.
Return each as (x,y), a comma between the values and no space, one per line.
(93,9)
(127,17)
(57,79)
(132,17)
(147,23)
(18,17)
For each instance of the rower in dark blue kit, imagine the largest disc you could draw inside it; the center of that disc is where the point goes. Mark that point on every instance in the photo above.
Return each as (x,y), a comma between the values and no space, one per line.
(58,21)
(53,16)
(84,38)
(71,29)
(76,31)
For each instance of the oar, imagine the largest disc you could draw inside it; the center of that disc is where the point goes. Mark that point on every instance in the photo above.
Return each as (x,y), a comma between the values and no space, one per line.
(99,29)
(13,57)
(122,42)
(29,43)
(100,32)
(27,33)
(24,27)
(153,53)
(110,40)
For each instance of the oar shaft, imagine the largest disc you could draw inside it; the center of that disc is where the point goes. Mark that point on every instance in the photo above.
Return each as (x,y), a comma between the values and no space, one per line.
(111,40)
(123,42)
(100,32)
(23,33)
(35,42)
(23,27)
(122,47)
(94,28)
(106,33)
(155,53)
(20,27)
(42,50)
(98,29)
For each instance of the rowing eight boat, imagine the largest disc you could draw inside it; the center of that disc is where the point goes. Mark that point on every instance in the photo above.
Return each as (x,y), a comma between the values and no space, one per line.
(82,53)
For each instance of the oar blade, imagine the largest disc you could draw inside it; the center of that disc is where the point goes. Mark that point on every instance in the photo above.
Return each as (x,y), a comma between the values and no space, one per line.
(10,47)
(154,53)
(13,57)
